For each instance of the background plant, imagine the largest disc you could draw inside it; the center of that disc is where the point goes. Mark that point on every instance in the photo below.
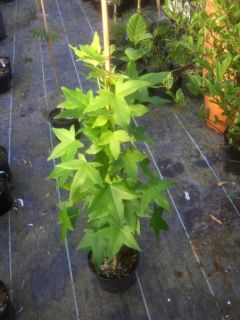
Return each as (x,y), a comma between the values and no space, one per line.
(221,61)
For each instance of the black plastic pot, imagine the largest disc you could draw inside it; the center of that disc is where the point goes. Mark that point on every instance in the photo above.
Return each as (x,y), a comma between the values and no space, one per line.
(6,201)
(115,285)
(3,34)
(5,75)
(4,166)
(232,156)
(4,299)
(7,311)
(62,123)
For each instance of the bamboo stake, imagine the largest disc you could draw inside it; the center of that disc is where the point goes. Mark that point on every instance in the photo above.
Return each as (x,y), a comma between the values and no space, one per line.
(106,35)
(50,47)
(159,8)
(115,13)
(139,6)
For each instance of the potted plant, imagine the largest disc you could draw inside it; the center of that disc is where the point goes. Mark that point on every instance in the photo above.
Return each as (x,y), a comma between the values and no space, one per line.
(220,84)
(219,58)
(106,173)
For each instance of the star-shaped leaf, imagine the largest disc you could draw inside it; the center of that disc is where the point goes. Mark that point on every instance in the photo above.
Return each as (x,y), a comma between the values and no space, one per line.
(154,192)
(157,222)
(114,140)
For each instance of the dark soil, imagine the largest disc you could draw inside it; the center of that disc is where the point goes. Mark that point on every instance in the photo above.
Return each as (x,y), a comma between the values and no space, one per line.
(127,261)
(3,298)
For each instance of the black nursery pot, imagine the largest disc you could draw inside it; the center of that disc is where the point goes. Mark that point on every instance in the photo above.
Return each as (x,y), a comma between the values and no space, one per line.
(6,201)
(5,76)
(232,156)
(4,299)
(4,166)
(115,285)
(7,311)
(62,123)
(3,34)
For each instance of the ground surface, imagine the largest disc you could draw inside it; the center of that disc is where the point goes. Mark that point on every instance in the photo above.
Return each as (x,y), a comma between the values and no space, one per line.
(191,274)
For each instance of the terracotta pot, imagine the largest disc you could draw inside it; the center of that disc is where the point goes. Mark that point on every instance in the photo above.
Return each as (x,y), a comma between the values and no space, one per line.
(213,108)
(215,111)
(210,6)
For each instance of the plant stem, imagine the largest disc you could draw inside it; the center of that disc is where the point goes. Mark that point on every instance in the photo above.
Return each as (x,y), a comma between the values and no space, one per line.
(115,13)
(159,8)
(114,262)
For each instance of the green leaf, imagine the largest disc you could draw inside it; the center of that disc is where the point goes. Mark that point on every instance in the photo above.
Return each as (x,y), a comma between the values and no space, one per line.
(104,99)
(71,114)
(131,159)
(121,112)
(154,192)
(138,110)
(96,243)
(157,222)
(132,70)
(102,120)
(156,78)
(117,237)
(128,87)
(64,134)
(58,172)
(136,28)
(134,54)
(131,217)
(114,140)
(129,240)
(110,200)
(86,177)
(75,99)
(96,43)
(67,218)
(90,55)
(65,147)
